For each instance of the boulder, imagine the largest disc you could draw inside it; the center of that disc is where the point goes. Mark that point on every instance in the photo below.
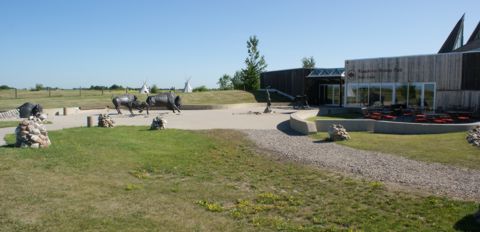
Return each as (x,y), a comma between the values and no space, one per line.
(337,133)
(104,120)
(473,136)
(31,133)
(158,123)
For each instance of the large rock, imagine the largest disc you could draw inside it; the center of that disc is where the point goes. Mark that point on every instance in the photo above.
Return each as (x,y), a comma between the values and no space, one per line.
(31,133)
(338,133)
(104,120)
(158,123)
(473,136)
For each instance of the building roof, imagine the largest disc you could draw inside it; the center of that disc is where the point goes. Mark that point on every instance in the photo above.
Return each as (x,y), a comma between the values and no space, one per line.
(455,39)
(326,72)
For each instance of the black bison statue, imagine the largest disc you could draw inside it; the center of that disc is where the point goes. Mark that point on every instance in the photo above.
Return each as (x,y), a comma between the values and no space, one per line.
(128,100)
(29,109)
(169,100)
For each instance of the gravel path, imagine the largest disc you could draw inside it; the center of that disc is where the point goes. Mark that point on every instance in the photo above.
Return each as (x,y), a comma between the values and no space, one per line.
(460,183)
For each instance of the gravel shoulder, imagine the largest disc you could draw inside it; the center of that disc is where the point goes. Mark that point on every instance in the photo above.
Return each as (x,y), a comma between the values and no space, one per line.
(438,179)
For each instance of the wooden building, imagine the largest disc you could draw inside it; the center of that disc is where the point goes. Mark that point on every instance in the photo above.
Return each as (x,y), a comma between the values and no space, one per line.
(449,79)
(322,86)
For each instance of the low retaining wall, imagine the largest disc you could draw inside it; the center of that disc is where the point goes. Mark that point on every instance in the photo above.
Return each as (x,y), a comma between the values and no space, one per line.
(299,123)
(205,107)
(349,124)
(388,127)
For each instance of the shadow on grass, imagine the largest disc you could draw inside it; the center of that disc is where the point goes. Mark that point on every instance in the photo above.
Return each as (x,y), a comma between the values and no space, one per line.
(8,146)
(467,223)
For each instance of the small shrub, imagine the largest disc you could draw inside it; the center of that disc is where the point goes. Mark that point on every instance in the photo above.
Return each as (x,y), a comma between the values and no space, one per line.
(376,184)
(210,206)
(202,88)
(131,187)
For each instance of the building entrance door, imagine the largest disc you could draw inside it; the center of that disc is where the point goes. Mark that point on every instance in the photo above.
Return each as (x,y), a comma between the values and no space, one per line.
(329,94)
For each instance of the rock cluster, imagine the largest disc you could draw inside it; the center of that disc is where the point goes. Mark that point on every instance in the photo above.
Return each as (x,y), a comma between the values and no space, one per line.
(473,136)
(158,123)
(338,133)
(32,133)
(104,120)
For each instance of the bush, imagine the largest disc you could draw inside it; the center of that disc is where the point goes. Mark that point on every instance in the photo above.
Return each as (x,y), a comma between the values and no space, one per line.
(4,87)
(154,89)
(38,87)
(202,88)
(116,87)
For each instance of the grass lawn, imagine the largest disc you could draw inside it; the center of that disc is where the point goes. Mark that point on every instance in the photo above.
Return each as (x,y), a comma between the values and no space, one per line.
(93,98)
(449,148)
(335,117)
(133,179)
(4,124)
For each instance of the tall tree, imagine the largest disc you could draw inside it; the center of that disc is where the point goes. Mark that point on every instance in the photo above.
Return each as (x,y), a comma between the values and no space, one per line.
(255,65)
(308,62)
(237,80)
(225,82)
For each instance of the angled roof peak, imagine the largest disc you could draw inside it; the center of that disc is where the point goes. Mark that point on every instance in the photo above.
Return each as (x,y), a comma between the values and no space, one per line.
(455,39)
(475,35)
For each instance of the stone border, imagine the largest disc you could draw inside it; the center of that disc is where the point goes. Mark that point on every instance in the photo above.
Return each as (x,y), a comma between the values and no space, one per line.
(299,123)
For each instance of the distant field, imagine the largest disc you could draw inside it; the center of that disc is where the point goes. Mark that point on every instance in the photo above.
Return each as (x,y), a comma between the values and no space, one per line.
(94,98)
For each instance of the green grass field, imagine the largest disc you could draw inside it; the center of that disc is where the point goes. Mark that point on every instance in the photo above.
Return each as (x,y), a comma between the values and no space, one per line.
(449,148)
(133,179)
(4,124)
(94,98)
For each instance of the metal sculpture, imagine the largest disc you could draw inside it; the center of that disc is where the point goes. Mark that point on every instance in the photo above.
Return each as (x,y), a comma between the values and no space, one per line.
(128,100)
(29,109)
(169,100)
(269,102)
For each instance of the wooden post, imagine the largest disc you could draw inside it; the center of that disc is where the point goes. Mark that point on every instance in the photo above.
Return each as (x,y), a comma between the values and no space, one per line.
(126,90)
(102,91)
(49,92)
(90,121)
(80,89)
(65,111)
(16,96)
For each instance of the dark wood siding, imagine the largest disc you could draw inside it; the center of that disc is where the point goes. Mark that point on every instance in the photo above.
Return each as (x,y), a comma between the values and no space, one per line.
(471,71)
(291,81)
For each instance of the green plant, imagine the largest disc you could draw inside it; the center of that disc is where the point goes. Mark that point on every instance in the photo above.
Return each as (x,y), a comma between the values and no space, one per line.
(255,65)
(202,88)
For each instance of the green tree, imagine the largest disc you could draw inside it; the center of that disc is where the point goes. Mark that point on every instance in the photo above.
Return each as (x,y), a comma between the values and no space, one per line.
(38,87)
(237,80)
(154,89)
(255,65)
(308,62)
(225,82)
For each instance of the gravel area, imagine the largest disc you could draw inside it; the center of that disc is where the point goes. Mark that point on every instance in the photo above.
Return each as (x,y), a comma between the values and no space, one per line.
(459,183)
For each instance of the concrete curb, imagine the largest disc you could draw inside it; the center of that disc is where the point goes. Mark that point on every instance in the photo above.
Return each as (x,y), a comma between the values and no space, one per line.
(299,123)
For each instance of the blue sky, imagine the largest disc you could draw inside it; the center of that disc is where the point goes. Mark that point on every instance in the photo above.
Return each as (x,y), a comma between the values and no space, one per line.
(101,42)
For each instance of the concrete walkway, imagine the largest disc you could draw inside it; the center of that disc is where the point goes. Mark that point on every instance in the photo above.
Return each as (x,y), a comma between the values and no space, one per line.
(241,118)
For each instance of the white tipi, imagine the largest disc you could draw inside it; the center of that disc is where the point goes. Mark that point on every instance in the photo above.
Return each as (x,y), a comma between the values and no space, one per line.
(188,87)
(144,89)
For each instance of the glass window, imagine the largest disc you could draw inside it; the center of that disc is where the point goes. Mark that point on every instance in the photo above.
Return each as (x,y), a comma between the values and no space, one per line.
(351,93)
(387,94)
(363,94)
(401,95)
(374,95)
(336,94)
(415,95)
(429,94)
(329,95)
